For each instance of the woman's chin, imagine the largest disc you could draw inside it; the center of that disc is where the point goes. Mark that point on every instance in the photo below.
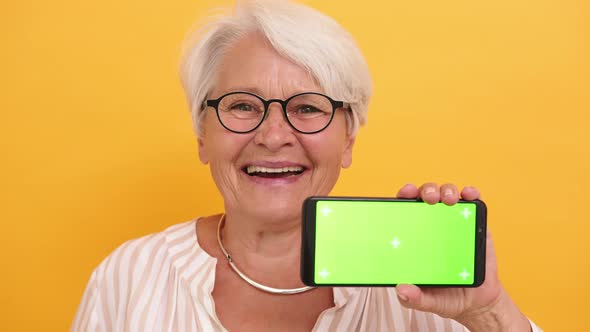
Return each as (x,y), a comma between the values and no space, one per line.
(276,193)
(275,211)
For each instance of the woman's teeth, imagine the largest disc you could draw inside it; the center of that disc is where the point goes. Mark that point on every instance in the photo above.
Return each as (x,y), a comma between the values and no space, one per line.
(259,169)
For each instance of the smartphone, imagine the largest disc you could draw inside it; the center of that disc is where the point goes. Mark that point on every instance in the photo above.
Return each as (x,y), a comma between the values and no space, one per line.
(366,242)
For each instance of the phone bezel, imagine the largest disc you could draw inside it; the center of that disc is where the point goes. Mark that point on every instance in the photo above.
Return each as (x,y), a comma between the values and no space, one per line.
(308,240)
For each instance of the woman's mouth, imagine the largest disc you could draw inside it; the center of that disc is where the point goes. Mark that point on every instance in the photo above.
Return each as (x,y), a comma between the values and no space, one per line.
(273,172)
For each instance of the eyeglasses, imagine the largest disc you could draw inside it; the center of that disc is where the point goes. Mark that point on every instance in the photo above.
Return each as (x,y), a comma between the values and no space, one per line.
(307,113)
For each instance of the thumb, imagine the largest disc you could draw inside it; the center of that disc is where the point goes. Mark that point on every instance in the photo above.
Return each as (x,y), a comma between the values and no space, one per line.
(413,297)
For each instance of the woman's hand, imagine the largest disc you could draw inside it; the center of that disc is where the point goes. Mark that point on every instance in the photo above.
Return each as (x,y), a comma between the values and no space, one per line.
(487,307)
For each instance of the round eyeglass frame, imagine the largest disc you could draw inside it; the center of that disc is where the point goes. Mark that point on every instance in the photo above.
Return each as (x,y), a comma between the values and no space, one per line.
(335,105)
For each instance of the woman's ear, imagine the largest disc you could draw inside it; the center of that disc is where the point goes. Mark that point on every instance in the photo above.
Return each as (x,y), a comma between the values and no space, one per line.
(347,153)
(203,155)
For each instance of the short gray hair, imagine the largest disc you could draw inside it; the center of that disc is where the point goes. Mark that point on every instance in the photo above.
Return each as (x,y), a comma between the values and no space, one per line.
(303,35)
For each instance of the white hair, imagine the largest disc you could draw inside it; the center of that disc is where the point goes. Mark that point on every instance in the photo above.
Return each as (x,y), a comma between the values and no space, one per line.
(301,34)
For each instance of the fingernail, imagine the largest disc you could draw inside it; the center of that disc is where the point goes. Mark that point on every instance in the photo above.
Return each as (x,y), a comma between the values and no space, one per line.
(429,190)
(448,192)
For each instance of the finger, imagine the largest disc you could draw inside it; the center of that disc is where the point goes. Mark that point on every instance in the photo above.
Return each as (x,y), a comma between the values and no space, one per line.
(408,191)
(470,193)
(411,296)
(449,194)
(491,260)
(429,193)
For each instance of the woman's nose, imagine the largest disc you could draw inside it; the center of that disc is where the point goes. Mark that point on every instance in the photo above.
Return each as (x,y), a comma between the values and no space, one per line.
(275,114)
(274,132)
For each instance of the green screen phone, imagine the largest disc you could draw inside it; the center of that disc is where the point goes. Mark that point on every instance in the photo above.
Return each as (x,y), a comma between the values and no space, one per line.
(356,241)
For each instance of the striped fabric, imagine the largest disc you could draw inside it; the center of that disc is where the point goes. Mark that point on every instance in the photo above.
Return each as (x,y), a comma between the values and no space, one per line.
(163,282)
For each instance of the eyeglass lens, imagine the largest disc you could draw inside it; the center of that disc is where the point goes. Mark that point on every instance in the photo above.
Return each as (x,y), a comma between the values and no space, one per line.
(242,112)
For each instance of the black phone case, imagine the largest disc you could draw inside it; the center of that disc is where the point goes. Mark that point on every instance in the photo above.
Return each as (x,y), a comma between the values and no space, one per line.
(308,241)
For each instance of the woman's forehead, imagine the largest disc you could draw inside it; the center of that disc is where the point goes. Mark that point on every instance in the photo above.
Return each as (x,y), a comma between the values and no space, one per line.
(253,65)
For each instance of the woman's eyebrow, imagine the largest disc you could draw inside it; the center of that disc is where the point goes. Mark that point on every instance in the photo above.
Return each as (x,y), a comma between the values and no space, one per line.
(258,92)
(251,89)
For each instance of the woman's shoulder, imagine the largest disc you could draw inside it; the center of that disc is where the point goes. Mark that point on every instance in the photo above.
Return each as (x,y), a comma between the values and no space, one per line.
(140,256)
(141,273)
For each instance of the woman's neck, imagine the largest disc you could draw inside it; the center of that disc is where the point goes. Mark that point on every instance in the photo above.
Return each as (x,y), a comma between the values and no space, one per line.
(268,250)
(265,239)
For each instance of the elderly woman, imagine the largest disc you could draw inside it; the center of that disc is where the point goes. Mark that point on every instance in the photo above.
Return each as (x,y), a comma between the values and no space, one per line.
(277,92)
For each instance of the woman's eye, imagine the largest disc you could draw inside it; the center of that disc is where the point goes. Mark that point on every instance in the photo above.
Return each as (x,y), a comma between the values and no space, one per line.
(243,108)
(307,110)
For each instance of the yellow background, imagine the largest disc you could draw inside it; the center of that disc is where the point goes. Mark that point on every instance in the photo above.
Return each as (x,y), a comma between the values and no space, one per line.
(97,145)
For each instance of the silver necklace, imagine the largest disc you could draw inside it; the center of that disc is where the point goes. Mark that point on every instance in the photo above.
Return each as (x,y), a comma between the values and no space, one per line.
(250,281)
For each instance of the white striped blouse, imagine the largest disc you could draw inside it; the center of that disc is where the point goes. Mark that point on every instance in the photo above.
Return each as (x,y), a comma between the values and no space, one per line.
(163,282)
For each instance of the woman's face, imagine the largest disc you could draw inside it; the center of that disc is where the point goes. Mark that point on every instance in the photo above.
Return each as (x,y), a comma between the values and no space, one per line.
(252,65)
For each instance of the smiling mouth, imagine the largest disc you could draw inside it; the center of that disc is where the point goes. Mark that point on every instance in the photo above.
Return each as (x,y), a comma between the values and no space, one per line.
(273,172)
